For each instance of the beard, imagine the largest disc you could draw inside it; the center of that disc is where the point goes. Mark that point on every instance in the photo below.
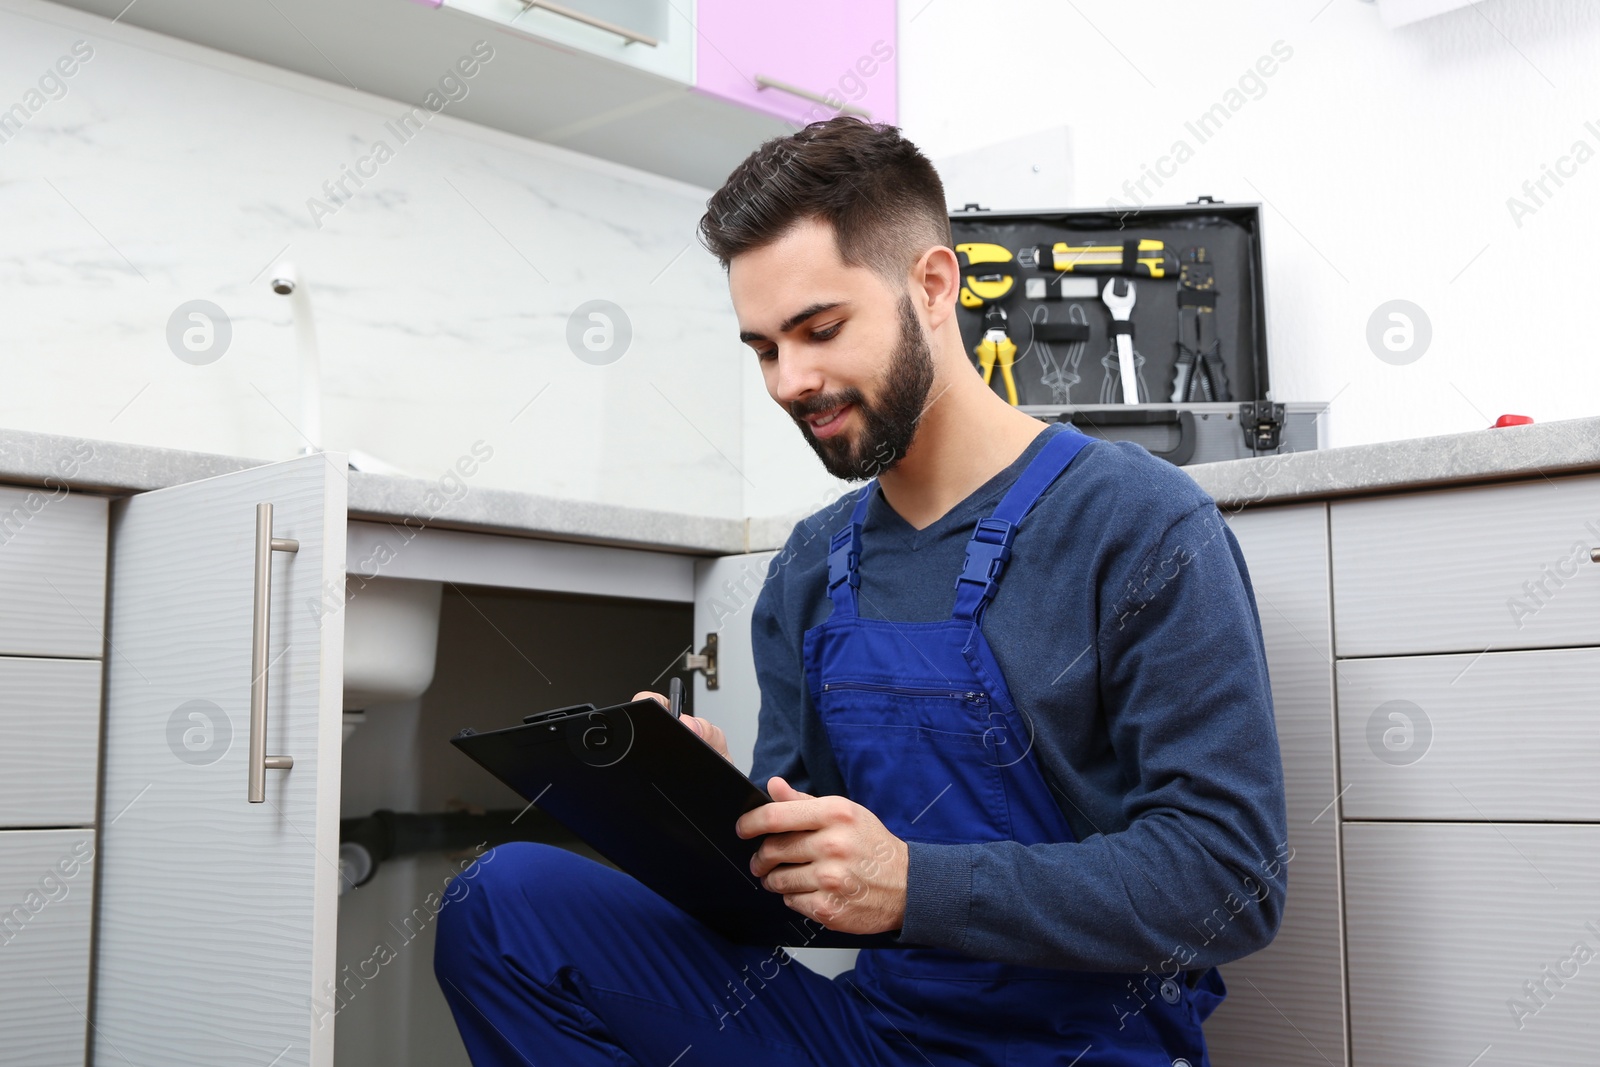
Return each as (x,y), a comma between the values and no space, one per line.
(890,423)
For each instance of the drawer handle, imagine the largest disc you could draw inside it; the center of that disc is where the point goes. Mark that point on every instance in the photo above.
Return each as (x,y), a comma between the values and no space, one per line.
(628,36)
(260,636)
(1594,554)
(764,82)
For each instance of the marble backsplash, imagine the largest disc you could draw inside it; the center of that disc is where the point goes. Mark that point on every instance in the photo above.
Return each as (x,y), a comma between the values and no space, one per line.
(443,261)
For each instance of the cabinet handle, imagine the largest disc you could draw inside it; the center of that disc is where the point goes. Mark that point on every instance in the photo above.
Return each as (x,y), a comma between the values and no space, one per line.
(764,82)
(1594,554)
(629,36)
(260,636)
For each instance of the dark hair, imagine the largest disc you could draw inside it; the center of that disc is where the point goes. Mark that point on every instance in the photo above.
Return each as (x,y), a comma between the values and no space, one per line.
(880,194)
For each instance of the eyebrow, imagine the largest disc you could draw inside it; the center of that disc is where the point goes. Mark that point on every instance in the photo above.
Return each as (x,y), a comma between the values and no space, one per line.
(792,321)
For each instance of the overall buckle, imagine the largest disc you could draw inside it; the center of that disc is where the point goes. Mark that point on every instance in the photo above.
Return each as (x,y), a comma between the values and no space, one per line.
(843,558)
(987,553)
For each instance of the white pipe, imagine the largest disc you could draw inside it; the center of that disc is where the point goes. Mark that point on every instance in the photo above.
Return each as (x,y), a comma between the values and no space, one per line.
(286,281)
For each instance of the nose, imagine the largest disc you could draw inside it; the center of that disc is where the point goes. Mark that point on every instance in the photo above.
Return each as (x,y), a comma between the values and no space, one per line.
(795,378)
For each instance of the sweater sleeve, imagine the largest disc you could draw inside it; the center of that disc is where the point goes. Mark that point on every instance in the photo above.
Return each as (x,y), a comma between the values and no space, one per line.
(1198,876)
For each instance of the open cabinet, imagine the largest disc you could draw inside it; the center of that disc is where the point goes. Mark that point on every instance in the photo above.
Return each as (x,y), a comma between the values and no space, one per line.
(221,935)
(216,916)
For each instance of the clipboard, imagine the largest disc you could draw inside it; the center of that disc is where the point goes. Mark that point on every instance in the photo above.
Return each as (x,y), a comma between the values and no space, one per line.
(651,796)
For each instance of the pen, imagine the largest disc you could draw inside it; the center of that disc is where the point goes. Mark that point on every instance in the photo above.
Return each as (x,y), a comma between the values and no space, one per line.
(675,697)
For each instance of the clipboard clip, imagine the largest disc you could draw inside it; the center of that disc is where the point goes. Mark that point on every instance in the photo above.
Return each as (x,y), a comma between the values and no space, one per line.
(570,709)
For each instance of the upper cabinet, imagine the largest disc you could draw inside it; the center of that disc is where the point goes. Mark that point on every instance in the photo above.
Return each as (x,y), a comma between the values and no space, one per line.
(652,35)
(800,60)
(578,74)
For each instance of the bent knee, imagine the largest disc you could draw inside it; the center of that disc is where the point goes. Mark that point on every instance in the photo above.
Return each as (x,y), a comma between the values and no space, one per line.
(525,872)
(513,867)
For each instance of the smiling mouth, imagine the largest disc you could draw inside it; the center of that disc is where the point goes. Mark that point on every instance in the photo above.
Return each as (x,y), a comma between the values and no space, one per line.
(824,423)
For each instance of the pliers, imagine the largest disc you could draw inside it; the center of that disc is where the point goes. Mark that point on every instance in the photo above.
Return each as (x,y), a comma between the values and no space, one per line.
(1198,373)
(997,345)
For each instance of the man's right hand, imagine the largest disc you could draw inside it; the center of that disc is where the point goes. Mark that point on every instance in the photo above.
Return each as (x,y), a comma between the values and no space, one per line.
(711,735)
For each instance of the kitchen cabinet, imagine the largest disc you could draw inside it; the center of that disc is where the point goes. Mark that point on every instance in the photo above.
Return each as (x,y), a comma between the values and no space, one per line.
(1469,569)
(1285,1004)
(1473,943)
(218,919)
(52,572)
(49,737)
(1494,736)
(1468,621)
(554,75)
(52,608)
(800,60)
(46,884)
(651,35)
(1435,906)
(217,916)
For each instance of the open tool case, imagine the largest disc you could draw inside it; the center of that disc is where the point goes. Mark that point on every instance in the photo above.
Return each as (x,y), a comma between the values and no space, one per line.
(1197,322)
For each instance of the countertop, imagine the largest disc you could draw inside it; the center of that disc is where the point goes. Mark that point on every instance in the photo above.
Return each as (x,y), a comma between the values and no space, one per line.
(1476,456)
(118,469)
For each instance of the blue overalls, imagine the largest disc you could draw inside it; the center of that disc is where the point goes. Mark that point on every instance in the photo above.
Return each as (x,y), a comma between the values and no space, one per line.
(549,958)
(929,740)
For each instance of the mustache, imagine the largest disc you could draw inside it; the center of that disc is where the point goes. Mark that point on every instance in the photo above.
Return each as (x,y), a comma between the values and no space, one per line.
(799,411)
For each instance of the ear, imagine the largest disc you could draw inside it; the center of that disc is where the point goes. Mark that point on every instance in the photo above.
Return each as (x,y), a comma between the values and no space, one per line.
(934,284)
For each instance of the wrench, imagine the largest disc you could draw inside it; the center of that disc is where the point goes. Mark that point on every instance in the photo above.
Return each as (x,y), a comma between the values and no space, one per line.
(1119,297)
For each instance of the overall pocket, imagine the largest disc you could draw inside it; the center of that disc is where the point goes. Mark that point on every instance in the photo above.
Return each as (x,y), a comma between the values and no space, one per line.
(917,761)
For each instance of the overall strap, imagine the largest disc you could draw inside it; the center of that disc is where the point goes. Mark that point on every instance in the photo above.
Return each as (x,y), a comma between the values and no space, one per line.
(844,557)
(990,546)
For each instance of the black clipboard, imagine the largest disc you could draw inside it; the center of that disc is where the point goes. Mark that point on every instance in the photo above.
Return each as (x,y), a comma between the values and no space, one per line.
(644,791)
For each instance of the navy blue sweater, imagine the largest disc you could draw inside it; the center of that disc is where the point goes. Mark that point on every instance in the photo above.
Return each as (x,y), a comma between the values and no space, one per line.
(1126,627)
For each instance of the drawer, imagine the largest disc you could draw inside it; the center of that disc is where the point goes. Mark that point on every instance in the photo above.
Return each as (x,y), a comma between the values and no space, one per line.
(1492,736)
(46,887)
(49,741)
(1464,570)
(1452,930)
(52,572)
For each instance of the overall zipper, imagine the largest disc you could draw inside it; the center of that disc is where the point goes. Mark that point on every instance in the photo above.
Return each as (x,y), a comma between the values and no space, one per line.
(975,697)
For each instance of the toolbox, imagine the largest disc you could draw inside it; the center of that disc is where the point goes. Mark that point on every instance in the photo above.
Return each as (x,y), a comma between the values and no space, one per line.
(1066,299)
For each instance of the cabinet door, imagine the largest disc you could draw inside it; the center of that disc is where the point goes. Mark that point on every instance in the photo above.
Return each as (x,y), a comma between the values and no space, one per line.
(651,35)
(1473,943)
(52,572)
(1476,569)
(1285,1004)
(215,934)
(1505,736)
(725,591)
(840,50)
(49,741)
(46,884)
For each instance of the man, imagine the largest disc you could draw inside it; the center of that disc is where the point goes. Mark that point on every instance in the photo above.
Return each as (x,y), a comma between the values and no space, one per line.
(1014,708)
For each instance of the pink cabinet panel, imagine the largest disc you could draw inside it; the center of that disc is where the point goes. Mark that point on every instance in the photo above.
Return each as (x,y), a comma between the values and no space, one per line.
(841,50)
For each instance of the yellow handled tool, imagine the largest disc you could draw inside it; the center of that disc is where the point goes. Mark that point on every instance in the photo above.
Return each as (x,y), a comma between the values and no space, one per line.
(988,273)
(1145,257)
(997,346)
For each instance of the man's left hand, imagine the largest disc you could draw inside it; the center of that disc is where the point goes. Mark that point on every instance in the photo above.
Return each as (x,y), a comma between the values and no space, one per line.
(831,858)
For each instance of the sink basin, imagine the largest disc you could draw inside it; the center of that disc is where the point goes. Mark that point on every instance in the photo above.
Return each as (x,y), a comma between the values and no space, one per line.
(391,635)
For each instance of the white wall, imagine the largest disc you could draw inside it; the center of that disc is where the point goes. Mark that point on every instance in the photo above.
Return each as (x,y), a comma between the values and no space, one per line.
(1385,157)
(169,172)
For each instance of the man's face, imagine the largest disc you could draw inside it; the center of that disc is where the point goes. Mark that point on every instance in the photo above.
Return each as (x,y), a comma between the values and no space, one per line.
(834,341)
